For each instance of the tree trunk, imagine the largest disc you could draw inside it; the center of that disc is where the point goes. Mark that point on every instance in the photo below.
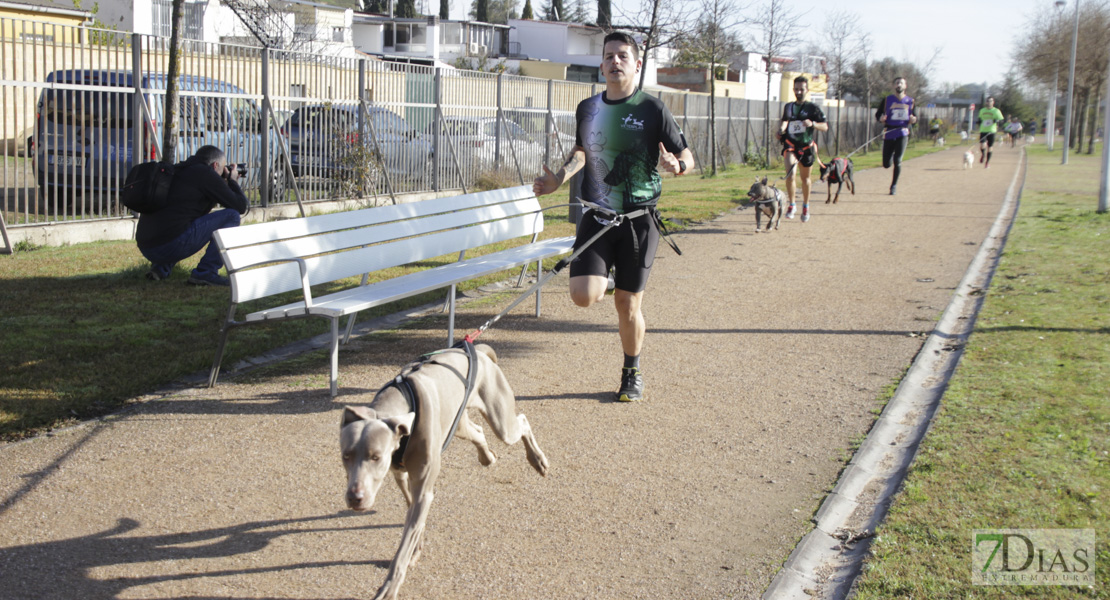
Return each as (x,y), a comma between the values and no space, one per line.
(1078,119)
(649,38)
(713,119)
(1093,118)
(170,123)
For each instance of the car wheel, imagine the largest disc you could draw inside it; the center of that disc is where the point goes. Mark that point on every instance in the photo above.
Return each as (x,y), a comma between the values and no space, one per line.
(279,183)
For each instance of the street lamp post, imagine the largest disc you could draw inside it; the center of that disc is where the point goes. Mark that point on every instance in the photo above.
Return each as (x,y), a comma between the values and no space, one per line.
(1071,87)
(1050,117)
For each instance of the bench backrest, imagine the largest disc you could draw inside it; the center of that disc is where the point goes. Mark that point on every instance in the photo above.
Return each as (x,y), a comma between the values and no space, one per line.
(341,245)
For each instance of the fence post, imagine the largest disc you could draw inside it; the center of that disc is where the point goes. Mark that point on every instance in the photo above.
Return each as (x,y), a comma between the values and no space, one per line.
(498,127)
(438,120)
(266,168)
(137,149)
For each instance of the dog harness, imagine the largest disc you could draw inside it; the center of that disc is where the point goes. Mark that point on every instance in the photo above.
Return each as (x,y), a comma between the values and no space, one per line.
(776,198)
(401,382)
(836,170)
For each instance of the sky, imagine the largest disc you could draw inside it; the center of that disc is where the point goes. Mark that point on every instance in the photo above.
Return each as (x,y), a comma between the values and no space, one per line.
(976,37)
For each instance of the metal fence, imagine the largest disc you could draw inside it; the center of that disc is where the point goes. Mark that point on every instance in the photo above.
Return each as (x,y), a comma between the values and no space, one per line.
(81,106)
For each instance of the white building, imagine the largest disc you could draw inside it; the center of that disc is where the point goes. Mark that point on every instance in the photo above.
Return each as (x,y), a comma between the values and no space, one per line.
(294,24)
(429,40)
(577,46)
(753,72)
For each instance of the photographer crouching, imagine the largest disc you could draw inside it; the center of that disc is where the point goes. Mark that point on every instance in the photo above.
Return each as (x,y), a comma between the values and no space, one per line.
(185,225)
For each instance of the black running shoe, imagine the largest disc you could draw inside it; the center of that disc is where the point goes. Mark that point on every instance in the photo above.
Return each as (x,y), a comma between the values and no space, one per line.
(632,386)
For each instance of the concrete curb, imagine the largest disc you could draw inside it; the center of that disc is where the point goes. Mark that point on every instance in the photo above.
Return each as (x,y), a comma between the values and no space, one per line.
(827,560)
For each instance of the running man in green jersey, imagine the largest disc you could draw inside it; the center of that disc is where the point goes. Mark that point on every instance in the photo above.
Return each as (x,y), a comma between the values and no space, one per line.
(989,118)
(624,138)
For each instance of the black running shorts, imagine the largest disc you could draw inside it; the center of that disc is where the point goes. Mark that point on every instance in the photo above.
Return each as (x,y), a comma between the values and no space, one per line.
(629,248)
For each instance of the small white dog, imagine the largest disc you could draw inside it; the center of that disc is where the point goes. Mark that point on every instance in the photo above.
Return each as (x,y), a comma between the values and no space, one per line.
(940,141)
(969,159)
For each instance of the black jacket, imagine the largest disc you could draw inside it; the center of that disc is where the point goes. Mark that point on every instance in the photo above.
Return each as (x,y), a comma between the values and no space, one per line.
(195,191)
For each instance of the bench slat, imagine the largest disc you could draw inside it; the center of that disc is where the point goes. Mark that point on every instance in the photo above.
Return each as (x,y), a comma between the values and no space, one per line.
(258,283)
(236,237)
(362,298)
(349,238)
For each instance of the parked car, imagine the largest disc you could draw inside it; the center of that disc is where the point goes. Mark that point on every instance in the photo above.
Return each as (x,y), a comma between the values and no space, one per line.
(475,139)
(327,140)
(85,130)
(534,121)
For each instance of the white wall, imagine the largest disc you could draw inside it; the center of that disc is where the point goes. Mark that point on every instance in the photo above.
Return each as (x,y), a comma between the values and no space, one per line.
(368,37)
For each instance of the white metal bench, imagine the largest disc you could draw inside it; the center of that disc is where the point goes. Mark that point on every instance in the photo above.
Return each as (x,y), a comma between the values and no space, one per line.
(273,258)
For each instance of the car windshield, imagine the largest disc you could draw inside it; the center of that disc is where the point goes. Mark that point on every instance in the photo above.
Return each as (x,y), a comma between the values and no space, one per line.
(329,118)
(88,108)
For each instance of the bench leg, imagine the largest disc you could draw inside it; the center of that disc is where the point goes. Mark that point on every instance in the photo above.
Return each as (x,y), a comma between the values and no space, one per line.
(539,276)
(226,329)
(334,357)
(215,372)
(451,317)
(350,327)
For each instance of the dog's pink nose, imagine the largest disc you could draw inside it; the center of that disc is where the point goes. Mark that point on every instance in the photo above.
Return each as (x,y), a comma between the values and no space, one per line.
(355,495)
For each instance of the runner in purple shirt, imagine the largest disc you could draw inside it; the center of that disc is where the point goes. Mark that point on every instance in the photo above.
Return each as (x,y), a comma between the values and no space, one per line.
(896,114)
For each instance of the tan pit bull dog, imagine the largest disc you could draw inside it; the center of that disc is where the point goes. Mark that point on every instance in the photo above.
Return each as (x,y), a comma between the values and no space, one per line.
(392,436)
(767,200)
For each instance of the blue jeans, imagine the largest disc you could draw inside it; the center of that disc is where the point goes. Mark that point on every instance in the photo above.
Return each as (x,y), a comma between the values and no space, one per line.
(191,241)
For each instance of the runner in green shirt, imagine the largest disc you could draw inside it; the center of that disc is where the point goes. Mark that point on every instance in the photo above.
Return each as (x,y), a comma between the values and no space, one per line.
(989,118)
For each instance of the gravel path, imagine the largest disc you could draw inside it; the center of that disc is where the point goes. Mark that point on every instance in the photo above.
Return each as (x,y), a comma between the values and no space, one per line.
(764,359)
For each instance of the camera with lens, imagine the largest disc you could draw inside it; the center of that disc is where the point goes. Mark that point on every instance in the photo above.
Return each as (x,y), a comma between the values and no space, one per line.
(242,168)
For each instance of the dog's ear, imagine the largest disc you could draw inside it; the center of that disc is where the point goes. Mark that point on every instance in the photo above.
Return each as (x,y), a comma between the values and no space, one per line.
(764,181)
(485,349)
(401,425)
(357,413)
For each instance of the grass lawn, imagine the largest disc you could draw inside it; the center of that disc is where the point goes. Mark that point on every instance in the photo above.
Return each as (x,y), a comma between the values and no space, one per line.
(1022,438)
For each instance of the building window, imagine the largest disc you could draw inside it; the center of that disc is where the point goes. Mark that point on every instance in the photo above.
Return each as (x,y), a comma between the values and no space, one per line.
(450,33)
(388,35)
(193,19)
(337,34)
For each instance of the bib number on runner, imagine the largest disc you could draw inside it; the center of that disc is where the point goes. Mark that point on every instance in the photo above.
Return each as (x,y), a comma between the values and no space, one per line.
(796,127)
(899,114)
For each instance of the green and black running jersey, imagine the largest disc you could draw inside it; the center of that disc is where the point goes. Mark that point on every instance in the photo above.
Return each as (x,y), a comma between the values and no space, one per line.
(621,140)
(794,113)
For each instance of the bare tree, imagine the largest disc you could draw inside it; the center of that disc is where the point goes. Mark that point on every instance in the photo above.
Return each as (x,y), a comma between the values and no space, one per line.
(839,30)
(712,42)
(778,28)
(865,56)
(1044,52)
(666,24)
